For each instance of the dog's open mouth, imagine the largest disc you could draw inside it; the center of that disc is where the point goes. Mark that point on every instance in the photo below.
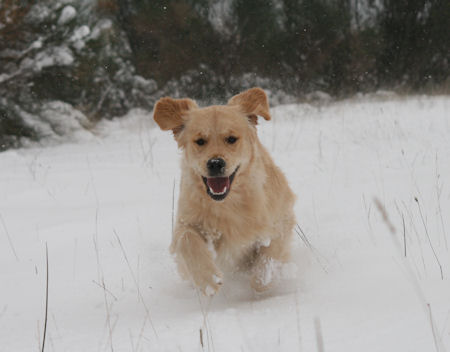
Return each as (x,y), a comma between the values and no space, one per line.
(219,187)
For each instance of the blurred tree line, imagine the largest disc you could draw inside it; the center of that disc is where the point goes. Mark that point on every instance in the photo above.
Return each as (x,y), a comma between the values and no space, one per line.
(94,59)
(302,45)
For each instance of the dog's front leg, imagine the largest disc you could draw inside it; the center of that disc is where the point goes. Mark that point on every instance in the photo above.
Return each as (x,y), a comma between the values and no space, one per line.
(195,261)
(269,261)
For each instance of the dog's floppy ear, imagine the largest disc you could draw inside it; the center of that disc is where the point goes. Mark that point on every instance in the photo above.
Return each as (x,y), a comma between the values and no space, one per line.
(253,103)
(169,113)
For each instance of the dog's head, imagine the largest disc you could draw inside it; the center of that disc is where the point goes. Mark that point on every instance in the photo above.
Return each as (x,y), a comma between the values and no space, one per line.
(218,141)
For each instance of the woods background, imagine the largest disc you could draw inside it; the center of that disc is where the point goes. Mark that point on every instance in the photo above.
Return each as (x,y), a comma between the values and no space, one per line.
(66,64)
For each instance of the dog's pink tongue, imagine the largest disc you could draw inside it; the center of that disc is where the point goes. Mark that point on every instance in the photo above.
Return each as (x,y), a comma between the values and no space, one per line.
(218,184)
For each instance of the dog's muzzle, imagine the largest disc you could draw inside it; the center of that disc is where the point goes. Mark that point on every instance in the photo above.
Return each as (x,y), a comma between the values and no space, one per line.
(218,187)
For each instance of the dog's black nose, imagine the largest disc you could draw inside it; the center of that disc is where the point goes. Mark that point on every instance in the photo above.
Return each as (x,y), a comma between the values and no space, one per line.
(216,166)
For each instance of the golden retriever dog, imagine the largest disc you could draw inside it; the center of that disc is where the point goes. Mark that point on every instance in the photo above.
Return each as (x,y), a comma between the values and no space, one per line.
(235,209)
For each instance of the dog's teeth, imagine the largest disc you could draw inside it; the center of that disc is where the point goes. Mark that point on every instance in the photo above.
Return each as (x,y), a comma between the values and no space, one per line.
(218,193)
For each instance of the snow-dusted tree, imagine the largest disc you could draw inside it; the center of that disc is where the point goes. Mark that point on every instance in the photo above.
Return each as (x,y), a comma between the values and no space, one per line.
(65,58)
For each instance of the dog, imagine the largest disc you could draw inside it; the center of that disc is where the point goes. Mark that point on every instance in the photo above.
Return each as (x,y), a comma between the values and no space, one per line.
(235,208)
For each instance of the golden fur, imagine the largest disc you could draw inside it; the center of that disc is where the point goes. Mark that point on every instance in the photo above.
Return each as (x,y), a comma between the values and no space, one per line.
(252,227)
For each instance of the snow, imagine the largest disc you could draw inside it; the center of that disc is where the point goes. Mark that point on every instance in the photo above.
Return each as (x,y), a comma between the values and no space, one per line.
(73,125)
(37,44)
(318,96)
(56,56)
(221,18)
(103,206)
(268,272)
(67,14)
(78,35)
(39,12)
(209,291)
(266,242)
(217,279)
(3,77)
(101,26)
(57,121)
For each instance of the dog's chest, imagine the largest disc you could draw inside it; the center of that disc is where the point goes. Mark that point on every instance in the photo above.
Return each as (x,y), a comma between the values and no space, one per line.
(232,243)
(231,230)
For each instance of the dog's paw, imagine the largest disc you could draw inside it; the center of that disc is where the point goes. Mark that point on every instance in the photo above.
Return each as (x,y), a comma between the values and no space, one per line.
(210,287)
(209,281)
(259,285)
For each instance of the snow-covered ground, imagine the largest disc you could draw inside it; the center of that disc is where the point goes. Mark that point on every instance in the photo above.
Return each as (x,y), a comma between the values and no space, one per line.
(103,206)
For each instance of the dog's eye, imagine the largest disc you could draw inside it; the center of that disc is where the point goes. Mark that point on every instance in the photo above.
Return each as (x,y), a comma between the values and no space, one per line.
(231,140)
(200,141)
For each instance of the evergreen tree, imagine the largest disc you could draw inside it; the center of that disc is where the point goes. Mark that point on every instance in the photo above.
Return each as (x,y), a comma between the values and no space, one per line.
(415,38)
